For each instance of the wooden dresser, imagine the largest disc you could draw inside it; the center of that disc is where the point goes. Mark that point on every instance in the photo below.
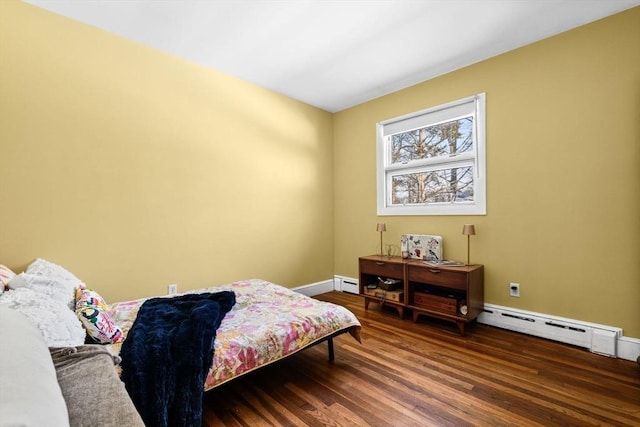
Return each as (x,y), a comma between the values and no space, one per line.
(455,294)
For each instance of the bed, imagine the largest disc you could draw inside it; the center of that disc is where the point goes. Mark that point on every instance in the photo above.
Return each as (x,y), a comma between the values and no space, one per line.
(267,323)
(173,349)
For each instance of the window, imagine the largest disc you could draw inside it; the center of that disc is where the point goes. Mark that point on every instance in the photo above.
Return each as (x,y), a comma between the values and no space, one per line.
(432,162)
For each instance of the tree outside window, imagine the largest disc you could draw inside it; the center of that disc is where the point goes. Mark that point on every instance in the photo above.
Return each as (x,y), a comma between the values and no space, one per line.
(433,161)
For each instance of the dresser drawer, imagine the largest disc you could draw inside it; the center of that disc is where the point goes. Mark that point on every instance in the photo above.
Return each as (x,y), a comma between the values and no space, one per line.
(381,268)
(437,276)
(444,304)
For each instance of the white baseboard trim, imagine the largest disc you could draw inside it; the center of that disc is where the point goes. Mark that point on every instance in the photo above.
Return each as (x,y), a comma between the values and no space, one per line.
(629,348)
(316,288)
(599,339)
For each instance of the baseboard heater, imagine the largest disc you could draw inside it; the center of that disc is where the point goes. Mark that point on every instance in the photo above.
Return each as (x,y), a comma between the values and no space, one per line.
(345,284)
(597,338)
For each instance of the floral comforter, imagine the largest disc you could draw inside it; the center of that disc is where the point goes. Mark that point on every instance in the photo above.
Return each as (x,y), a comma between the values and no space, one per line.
(267,323)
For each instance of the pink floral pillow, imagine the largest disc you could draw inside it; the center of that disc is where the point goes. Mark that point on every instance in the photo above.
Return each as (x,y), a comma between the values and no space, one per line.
(5,275)
(91,309)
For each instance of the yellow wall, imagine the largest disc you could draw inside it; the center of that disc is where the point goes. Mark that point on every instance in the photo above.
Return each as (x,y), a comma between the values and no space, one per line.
(563,160)
(135,169)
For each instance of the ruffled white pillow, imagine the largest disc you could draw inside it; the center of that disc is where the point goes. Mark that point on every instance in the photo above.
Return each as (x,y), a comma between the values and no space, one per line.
(56,288)
(46,268)
(59,326)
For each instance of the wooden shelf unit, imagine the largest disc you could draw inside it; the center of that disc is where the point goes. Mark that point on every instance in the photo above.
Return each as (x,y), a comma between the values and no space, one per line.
(450,293)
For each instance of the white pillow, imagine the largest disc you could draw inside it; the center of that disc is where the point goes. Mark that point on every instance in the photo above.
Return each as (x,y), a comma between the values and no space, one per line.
(29,386)
(57,289)
(58,325)
(43,267)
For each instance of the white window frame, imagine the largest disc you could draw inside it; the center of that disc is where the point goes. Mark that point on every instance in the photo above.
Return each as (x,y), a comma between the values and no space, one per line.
(474,105)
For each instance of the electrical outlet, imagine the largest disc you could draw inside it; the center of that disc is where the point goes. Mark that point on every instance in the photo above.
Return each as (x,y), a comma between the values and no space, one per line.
(172,289)
(514,289)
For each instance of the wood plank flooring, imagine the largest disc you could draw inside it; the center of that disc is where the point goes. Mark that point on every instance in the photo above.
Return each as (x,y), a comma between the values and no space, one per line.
(425,374)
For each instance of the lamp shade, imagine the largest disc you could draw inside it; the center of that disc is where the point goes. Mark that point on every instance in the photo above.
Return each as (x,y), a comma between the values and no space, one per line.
(469,230)
(381,227)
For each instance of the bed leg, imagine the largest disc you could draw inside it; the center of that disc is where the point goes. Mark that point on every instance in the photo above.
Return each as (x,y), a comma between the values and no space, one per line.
(330,345)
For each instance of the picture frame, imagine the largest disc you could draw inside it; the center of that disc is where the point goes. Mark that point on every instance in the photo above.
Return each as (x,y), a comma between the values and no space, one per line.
(426,247)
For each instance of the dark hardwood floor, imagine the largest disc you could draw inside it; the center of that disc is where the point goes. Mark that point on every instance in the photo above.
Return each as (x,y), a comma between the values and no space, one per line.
(424,373)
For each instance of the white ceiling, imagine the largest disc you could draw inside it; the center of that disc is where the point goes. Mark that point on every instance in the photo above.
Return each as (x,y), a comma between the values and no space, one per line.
(334,54)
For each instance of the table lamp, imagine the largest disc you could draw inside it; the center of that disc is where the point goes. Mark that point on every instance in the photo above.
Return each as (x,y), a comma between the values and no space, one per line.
(381,227)
(468,230)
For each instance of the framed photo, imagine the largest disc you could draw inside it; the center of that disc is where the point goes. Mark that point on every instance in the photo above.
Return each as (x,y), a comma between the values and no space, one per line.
(423,246)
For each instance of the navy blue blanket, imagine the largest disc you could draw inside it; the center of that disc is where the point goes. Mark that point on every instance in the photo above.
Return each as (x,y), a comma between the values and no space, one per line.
(167,355)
